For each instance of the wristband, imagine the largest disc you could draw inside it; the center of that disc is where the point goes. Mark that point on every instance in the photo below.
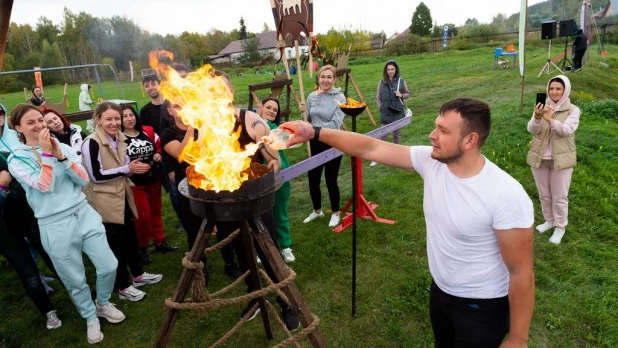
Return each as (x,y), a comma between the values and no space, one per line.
(45,154)
(316,134)
(64,159)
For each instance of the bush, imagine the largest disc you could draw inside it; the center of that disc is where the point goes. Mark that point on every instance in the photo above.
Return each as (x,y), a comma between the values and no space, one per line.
(607,108)
(579,98)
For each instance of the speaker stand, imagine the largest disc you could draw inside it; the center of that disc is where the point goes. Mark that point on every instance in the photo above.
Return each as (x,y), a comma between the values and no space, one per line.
(565,59)
(547,67)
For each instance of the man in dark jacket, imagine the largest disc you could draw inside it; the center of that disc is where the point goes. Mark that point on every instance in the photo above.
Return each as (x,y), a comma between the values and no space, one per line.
(579,47)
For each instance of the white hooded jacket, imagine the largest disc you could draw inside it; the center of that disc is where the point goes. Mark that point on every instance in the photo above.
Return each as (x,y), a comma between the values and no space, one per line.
(84,98)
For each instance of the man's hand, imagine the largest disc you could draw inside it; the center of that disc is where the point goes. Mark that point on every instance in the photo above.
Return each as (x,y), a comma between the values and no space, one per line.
(303,131)
(5,178)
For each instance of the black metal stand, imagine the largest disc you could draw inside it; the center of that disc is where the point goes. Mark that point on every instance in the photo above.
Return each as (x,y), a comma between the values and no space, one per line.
(354,199)
(565,59)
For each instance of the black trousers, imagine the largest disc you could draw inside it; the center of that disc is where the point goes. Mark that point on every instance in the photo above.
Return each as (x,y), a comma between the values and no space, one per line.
(20,221)
(17,252)
(331,172)
(189,221)
(227,228)
(577,58)
(122,239)
(463,322)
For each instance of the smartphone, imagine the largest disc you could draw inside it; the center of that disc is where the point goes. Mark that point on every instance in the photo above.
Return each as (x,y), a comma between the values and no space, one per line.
(541,98)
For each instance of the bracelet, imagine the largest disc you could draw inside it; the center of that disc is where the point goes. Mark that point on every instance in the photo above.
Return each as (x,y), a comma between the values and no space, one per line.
(45,154)
(316,134)
(64,159)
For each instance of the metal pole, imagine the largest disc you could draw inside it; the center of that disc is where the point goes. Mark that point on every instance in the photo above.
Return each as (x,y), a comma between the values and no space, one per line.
(117,82)
(96,76)
(354,199)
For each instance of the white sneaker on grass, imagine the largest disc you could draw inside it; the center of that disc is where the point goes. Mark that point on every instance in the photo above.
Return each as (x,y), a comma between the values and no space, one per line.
(287,255)
(147,278)
(335,219)
(131,294)
(557,236)
(313,216)
(109,312)
(52,320)
(94,331)
(545,226)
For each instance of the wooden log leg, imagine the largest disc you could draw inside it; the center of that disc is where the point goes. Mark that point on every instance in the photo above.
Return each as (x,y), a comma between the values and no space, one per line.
(297,302)
(247,242)
(361,98)
(184,284)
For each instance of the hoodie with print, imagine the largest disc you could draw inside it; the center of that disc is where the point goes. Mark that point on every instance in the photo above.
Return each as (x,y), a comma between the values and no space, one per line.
(53,188)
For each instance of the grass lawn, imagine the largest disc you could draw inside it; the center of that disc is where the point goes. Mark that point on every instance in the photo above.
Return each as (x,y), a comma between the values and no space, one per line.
(576,298)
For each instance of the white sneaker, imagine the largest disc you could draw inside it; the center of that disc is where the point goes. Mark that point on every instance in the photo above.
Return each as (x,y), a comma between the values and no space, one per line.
(94,331)
(109,312)
(373,164)
(52,320)
(287,255)
(131,294)
(557,236)
(147,278)
(335,219)
(545,226)
(313,216)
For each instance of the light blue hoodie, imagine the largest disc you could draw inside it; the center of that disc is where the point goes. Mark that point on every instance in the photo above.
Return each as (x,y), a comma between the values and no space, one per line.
(9,136)
(53,188)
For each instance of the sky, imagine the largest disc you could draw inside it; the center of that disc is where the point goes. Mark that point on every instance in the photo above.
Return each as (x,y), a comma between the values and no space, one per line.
(174,17)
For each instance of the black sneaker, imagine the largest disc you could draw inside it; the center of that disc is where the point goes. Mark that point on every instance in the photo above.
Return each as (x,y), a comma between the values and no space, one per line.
(164,247)
(145,256)
(248,308)
(290,319)
(232,271)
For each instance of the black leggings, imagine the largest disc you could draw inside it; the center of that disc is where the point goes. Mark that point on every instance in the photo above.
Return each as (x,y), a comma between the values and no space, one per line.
(17,252)
(331,173)
(122,239)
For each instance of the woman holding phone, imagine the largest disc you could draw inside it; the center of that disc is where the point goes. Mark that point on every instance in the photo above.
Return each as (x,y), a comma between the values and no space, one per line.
(552,154)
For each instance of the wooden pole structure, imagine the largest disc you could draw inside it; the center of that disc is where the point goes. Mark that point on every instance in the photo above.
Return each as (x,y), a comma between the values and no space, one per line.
(6,6)
(301,87)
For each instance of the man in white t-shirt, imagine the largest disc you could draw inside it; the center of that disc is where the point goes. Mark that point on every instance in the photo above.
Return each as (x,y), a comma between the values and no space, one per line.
(479,226)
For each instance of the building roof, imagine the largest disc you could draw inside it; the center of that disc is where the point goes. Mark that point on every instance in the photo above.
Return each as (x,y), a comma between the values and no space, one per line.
(268,40)
(404,33)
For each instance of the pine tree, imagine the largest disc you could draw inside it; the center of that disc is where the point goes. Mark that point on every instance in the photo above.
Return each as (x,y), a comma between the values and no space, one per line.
(421,20)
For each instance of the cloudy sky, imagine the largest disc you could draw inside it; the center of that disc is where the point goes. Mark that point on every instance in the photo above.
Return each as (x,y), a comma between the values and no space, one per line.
(176,16)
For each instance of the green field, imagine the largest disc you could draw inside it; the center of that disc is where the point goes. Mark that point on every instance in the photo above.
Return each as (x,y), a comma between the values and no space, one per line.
(576,298)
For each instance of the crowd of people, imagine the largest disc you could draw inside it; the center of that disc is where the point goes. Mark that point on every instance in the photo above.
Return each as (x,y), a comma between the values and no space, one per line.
(100,194)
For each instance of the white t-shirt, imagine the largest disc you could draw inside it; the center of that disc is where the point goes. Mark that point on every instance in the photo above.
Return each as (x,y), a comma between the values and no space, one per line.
(462,216)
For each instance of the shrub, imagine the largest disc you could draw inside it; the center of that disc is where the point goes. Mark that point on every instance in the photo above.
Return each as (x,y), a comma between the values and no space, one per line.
(605,108)
(579,98)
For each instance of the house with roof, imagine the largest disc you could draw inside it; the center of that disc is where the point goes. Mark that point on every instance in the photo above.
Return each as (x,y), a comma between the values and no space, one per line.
(268,43)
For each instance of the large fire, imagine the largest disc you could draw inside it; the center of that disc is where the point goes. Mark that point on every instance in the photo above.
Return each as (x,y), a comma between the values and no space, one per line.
(216,159)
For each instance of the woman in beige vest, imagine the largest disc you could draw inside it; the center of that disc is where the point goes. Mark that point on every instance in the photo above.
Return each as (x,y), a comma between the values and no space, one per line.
(105,158)
(552,154)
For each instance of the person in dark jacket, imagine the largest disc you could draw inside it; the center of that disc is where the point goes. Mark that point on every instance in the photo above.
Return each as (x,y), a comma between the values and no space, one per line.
(37,96)
(392,90)
(580,45)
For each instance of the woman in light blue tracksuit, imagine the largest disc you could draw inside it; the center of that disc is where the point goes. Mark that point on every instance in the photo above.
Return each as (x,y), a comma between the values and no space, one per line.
(52,176)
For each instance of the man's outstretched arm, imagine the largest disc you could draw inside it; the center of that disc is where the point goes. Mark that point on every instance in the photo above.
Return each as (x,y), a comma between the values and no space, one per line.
(353,144)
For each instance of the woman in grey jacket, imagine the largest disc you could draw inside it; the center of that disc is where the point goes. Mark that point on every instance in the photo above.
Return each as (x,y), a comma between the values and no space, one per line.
(323,111)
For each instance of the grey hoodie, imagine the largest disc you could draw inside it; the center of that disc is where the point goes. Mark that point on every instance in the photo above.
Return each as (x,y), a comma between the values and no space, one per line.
(323,108)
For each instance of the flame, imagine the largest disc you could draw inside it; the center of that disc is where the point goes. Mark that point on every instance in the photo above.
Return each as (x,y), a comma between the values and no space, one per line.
(216,160)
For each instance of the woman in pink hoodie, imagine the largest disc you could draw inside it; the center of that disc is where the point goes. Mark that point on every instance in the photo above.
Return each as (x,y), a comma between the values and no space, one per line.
(552,154)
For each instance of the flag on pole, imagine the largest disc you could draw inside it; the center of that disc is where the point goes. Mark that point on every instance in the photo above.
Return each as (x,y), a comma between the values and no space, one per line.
(523,13)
